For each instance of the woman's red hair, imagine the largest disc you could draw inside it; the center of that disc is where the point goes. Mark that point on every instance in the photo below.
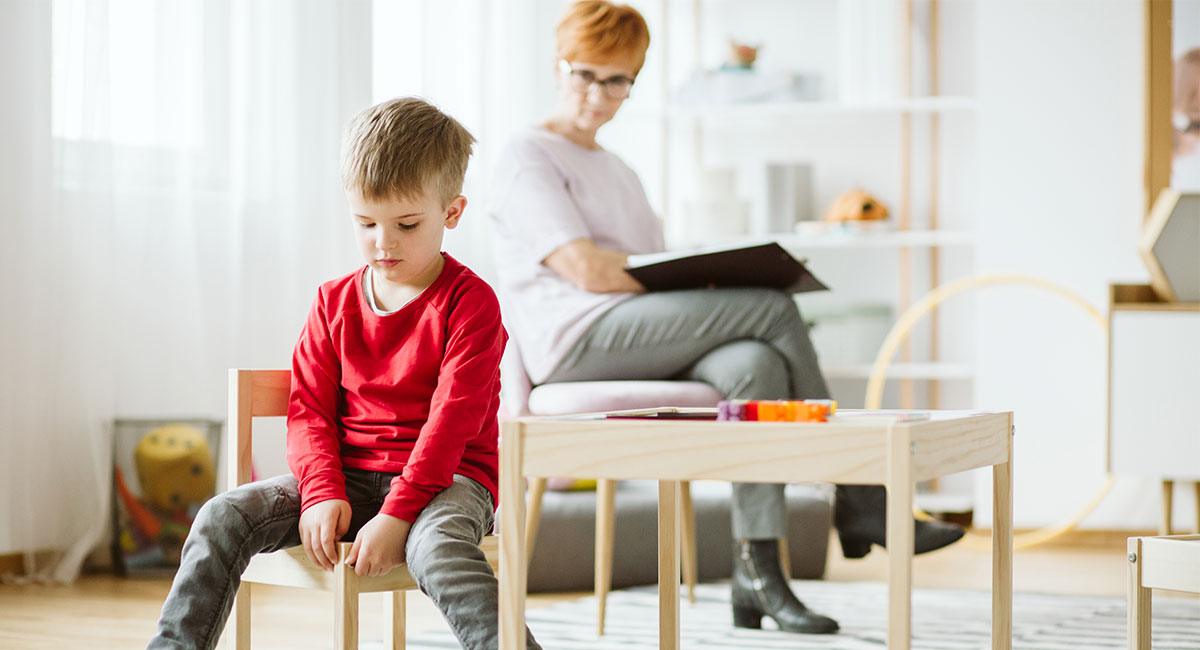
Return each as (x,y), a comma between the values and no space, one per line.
(598,31)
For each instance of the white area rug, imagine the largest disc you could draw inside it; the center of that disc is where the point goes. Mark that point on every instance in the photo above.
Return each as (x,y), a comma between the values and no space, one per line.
(942,620)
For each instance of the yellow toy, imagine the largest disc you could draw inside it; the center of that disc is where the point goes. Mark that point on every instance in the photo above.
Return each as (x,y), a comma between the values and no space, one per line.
(175,468)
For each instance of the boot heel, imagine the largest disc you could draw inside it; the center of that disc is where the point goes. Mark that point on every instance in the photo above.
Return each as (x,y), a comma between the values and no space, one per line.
(852,549)
(747,617)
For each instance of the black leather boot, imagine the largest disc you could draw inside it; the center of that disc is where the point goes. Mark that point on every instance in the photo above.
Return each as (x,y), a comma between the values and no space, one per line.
(759,589)
(860,515)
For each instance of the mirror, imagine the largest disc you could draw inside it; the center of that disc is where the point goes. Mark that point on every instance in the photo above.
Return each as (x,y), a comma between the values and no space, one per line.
(1172,47)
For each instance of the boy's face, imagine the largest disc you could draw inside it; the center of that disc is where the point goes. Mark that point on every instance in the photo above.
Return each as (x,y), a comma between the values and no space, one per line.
(401,239)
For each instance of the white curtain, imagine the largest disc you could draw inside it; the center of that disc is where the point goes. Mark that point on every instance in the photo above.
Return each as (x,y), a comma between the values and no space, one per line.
(489,63)
(169,202)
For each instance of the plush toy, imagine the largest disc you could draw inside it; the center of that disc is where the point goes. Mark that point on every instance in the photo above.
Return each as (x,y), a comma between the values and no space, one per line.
(855,205)
(175,468)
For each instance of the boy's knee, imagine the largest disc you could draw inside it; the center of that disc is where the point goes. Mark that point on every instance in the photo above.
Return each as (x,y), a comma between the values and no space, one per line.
(215,513)
(250,505)
(432,551)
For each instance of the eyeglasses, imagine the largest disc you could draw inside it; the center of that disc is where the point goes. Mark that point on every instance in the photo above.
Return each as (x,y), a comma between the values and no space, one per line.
(581,81)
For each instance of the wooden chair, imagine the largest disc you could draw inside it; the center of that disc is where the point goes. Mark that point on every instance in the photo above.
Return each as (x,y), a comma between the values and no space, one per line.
(264,393)
(519,398)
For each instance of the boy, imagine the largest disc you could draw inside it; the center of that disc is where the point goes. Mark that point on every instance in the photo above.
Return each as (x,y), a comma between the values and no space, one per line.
(392,427)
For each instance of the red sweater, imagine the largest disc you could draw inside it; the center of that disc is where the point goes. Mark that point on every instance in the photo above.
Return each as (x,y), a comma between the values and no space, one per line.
(413,393)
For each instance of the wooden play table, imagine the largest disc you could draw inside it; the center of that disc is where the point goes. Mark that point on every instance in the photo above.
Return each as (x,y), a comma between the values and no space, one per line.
(896,449)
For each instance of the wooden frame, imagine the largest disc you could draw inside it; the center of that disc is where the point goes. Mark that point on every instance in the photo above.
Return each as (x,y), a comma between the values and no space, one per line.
(1157,66)
(1172,114)
(873,448)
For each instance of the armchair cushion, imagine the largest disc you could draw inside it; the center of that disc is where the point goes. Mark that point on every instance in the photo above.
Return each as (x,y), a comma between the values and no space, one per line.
(593,396)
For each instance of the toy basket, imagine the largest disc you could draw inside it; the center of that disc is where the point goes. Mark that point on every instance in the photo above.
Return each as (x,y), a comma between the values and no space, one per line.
(163,471)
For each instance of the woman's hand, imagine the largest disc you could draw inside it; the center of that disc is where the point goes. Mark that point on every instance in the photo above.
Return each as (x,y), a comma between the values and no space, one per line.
(592,268)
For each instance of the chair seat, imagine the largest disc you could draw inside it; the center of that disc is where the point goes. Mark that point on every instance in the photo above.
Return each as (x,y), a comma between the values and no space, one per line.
(292,568)
(565,397)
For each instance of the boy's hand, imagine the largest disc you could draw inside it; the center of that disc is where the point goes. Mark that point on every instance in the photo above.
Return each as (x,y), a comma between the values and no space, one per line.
(321,526)
(379,546)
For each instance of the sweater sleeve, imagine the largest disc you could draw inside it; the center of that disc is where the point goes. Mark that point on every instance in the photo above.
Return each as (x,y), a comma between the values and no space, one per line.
(313,441)
(468,382)
(538,208)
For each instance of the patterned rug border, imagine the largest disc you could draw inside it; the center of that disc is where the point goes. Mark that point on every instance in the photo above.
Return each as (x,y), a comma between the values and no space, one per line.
(943,619)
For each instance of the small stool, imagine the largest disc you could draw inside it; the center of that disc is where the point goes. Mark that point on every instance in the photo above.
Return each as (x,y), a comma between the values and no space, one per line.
(1169,562)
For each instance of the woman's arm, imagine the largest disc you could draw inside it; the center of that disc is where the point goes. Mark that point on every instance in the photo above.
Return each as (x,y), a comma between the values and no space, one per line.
(592,268)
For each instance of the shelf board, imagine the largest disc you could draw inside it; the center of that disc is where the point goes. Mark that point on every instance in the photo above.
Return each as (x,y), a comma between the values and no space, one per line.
(877,239)
(843,240)
(935,370)
(753,111)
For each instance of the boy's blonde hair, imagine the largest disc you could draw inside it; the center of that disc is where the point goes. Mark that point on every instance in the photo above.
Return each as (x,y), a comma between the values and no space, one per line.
(405,148)
(596,31)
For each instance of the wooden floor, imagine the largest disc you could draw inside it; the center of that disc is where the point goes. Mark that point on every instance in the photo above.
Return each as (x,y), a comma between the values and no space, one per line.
(102,612)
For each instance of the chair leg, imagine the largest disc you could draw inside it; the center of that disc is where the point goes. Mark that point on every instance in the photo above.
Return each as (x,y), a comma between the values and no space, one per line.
(688,538)
(345,603)
(1139,599)
(237,630)
(393,616)
(785,558)
(606,493)
(533,514)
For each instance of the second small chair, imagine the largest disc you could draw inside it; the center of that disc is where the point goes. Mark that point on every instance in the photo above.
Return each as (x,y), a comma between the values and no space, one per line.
(520,398)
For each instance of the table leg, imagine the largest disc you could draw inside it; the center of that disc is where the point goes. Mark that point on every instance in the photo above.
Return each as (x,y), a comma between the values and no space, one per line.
(512,540)
(899,538)
(606,519)
(1196,502)
(1002,551)
(668,565)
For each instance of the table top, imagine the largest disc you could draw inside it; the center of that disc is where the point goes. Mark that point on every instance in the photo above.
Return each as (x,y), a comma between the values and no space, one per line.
(699,414)
(853,447)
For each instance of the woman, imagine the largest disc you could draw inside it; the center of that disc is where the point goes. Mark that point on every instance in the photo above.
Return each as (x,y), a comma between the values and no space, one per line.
(568,215)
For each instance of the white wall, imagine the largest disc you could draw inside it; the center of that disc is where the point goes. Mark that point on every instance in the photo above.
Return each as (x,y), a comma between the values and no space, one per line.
(1060,197)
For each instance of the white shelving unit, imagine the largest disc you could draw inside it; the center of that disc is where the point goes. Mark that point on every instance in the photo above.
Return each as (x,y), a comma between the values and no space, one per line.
(836,239)
(930,370)
(815,109)
(910,254)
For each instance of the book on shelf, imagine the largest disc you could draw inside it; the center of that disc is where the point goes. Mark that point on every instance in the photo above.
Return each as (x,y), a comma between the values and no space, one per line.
(756,265)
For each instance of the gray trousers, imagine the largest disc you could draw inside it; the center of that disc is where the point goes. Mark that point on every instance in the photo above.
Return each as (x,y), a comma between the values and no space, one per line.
(442,553)
(747,343)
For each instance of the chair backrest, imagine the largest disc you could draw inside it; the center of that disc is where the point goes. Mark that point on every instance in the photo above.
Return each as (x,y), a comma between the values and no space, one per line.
(252,394)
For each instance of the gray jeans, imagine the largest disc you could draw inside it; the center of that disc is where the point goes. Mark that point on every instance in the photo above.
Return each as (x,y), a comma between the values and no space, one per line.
(747,343)
(442,553)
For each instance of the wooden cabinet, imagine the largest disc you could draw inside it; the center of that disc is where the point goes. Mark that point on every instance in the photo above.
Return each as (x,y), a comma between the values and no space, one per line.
(1154,390)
